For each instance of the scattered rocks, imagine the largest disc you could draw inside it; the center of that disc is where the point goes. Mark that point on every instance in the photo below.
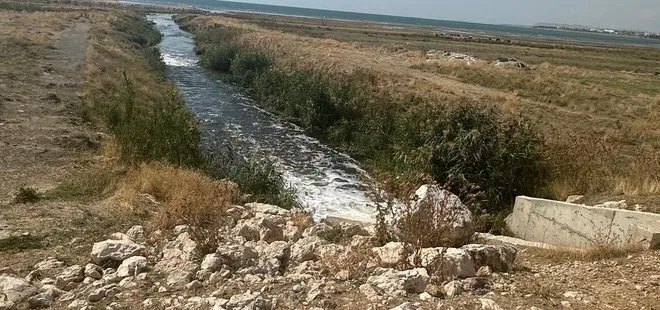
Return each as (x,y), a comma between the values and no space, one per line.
(499,258)
(16,290)
(304,249)
(93,271)
(135,232)
(504,62)
(489,304)
(249,300)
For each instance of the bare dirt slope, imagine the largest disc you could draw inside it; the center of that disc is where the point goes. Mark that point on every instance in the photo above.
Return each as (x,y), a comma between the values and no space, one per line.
(39,138)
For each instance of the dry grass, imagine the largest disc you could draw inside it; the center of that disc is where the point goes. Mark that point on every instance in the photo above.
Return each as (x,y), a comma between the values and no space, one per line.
(593,253)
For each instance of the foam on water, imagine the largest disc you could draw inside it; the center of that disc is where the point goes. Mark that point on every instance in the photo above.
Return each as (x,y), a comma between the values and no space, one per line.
(327,181)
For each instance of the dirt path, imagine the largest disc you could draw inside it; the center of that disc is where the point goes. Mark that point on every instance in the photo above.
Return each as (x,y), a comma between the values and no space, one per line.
(39,140)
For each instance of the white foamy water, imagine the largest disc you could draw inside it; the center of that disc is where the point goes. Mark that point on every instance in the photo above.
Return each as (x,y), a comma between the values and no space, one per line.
(327,182)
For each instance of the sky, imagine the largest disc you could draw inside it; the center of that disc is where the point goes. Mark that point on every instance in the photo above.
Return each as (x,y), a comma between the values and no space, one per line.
(621,14)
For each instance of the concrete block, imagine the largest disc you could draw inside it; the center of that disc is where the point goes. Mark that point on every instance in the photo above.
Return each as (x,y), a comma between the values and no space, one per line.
(570,225)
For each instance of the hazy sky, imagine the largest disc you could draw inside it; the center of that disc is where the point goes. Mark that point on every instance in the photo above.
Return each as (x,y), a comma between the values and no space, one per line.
(628,14)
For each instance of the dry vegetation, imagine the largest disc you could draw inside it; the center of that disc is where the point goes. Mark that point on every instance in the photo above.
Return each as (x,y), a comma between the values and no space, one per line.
(597,106)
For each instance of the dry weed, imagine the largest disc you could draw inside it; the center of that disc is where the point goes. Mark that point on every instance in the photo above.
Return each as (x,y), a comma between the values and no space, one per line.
(592,253)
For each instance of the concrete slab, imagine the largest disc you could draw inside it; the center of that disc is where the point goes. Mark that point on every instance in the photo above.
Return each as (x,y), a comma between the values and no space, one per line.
(571,225)
(495,240)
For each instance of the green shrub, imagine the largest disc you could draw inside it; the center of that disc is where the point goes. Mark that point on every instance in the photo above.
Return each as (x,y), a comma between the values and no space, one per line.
(499,154)
(246,66)
(19,243)
(164,131)
(219,58)
(264,183)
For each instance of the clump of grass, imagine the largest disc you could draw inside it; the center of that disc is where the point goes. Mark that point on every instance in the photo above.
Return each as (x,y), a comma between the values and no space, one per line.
(181,197)
(247,66)
(219,58)
(20,243)
(27,195)
(596,252)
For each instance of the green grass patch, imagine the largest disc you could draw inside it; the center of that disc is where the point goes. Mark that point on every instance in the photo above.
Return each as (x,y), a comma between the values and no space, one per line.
(20,243)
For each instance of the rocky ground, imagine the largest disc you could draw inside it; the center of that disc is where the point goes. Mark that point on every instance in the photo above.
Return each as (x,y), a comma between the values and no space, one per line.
(271,258)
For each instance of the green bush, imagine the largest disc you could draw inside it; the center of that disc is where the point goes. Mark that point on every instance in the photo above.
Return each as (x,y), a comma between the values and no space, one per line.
(164,131)
(500,154)
(264,183)
(246,66)
(219,58)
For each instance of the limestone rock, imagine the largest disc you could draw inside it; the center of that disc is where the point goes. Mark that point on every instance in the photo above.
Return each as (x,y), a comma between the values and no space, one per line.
(49,265)
(489,304)
(267,209)
(249,300)
(500,258)
(329,252)
(136,232)
(390,254)
(16,289)
(448,263)
(178,261)
(96,295)
(449,216)
(212,262)
(304,249)
(405,306)
(181,229)
(93,271)
(391,282)
(238,256)
(115,250)
(453,289)
(69,277)
(132,266)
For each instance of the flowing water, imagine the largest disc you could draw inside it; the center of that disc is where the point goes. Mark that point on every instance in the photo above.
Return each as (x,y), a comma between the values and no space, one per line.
(326,180)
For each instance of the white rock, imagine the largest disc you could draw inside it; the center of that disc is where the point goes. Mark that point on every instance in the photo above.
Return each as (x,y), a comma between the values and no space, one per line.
(318,230)
(178,260)
(212,262)
(238,256)
(278,249)
(405,306)
(120,236)
(574,198)
(115,250)
(148,303)
(93,271)
(448,263)
(77,304)
(132,266)
(128,283)
(391,282)
(391,254)
(69,276)
(193,285)
(265,228)
(500,258)
(267,209)
(566,304)
(489,304)
(425,296)
(297,288)
(453,289)
(181,229)
(370,292)
(135,232)
(329,252)
(484,272)
(249,300)
(572,295)
(6,305)
(449,215)
(96,295)
(304,249)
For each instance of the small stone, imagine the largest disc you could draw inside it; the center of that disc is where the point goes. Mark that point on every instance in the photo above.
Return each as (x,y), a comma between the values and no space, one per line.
(425,296)
(297,288)
(148,303)
(484,272)
(93,271)
(77,304)
(181,229)
(136,232)
(132,266)
(193,285)
(489,304)
(96,295)
(43,300)
(566,304)
(405,306)
(212,262)
(453,289)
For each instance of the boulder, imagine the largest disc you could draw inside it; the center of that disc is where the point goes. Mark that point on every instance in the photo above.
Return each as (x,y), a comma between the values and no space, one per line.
(132,266)
(391,254)
(238,256)
(212,262)
(69,276)
(441,214)
(304,249)
(500,258)
(453,289)
(267,209)
(16,290)
(50,265)
(263,228)
(178,261)
(115,250)
(448,263)
(391,282)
